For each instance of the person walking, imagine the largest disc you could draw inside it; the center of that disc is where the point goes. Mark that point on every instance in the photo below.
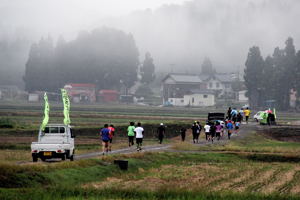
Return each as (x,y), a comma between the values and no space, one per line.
(229,127)
(183,133)
(247,113)
(111,129)
(161,130)
(207,131)
(139,131)
(130,133)
(104,133)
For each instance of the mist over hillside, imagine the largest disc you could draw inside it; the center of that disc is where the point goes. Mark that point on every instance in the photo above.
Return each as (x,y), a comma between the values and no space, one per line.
(178,36)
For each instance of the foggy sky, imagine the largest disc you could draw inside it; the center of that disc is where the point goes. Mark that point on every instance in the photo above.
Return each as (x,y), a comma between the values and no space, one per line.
(178,35)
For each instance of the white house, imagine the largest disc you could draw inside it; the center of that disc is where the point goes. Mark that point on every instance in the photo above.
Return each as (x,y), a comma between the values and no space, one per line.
(177,101)
(200,98)
(177,85)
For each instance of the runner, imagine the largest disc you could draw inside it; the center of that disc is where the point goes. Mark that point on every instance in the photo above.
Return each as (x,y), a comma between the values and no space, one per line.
(161,132)
(239,117)
(222,123)
(229,128)
(247,114)
(207,129)
(212,131)
(237,126)
(182,133)
(104,133)
(195,129)
(130,133)
(229,113)
(111,129)
(219,128)
(241,112)
(139,136)
(234,114)
(198,131)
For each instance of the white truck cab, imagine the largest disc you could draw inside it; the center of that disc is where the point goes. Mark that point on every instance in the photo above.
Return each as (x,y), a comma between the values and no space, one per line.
(56,141)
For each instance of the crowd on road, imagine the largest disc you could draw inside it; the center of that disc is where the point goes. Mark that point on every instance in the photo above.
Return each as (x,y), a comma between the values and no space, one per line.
(213,129)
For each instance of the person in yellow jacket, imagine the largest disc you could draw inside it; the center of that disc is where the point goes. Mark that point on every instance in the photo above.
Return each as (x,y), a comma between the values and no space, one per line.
(247,113)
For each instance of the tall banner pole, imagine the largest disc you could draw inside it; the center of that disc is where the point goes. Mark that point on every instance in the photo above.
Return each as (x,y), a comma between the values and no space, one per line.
(66,103)
(46,112)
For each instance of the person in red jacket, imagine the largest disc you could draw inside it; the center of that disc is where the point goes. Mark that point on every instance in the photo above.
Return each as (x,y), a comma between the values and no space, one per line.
(111,129)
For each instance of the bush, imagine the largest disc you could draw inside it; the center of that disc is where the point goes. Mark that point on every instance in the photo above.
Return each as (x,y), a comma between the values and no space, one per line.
(7,123)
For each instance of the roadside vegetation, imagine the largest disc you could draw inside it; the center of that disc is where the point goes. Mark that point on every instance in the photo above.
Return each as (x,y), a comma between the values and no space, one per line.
(252,166)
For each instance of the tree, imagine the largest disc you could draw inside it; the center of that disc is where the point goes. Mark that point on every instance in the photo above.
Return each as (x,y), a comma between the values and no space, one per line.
(148,69)
(38,72)
(253,76)
(284,69)
(206,67)
(268,80)
(297,76)
(105,57)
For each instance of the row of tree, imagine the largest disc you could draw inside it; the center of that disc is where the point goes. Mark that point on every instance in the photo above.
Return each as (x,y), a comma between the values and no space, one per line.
(106,57)
(274,78)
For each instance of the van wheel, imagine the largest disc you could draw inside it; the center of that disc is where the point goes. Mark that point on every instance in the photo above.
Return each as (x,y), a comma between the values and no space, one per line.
(34,159)
(72,157)
(63,157)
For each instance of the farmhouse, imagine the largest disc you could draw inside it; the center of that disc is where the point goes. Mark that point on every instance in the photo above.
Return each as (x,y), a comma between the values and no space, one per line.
(181,89)
(81,92)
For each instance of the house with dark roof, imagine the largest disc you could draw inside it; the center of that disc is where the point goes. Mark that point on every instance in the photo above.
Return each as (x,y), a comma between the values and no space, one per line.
(176,86)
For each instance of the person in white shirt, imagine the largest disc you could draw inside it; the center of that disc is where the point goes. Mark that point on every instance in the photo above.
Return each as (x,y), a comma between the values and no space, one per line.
(139,131)
(207,130)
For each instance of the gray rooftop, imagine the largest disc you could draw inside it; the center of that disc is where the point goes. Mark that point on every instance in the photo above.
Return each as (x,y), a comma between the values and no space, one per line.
(185,78)
(191,78)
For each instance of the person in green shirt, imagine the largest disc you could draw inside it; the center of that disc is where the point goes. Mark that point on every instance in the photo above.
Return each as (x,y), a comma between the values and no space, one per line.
(130,131)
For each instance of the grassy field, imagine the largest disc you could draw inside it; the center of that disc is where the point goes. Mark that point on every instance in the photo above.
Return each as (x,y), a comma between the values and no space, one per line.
(254,166)
(155,176)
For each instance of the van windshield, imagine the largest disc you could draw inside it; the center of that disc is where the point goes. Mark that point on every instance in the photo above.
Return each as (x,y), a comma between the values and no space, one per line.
(54,130)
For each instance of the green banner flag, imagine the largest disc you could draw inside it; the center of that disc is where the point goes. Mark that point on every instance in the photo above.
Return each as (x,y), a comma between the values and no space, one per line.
(46,112)
(66,102)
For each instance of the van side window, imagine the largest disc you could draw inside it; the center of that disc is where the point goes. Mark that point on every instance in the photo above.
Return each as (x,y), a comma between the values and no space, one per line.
(61,129)
(47,130)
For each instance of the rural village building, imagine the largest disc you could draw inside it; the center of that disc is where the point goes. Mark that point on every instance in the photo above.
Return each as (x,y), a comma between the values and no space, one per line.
(107,96)
(81,92)
(196,90)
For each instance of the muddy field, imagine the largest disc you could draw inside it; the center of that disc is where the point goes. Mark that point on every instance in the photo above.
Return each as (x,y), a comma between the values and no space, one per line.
(283,133)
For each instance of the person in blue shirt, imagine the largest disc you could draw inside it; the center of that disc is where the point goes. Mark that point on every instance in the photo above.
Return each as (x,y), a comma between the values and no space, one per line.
(229,127)
(104,133)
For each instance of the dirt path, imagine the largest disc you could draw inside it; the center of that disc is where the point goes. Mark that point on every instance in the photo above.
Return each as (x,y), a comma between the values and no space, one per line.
(132,149)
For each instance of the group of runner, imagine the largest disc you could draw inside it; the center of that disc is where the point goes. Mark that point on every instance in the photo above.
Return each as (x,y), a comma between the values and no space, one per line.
(137,132)
(212,130)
